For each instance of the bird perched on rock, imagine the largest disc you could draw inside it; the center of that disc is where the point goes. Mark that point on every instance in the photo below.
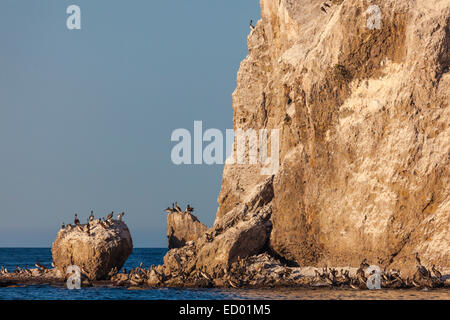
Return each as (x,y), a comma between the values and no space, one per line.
(100,222)
(76,221)
(40,266)
(63,226)
(209,237)
(323,9)
(421,269)
(120,216)
(436,272)
(364,264)
(91,217)
(252,27)
(169,210)
(189,209)
(110,216)
(177,207)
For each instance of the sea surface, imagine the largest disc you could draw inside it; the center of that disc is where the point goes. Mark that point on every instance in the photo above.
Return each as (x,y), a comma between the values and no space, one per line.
(12,257)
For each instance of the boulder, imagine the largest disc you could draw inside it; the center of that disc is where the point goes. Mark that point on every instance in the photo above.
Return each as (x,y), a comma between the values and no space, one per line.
(105,248)
(182,228)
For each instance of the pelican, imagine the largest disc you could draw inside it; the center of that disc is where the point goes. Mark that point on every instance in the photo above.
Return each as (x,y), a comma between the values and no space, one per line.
(168,210)
(76,220)
(91,217)
(418,259)
(420,268)
(364,264)
(189,209)
(109,216)
(206,276)
(252,27)
(40,266)
(63,226)
(120,216)
(177,207)
(436,272)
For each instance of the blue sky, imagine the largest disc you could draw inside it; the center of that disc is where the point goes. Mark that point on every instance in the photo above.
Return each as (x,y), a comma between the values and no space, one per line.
(86,115)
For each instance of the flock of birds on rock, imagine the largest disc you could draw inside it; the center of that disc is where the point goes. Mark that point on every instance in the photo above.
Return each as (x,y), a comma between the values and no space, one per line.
(326,5)
(176,208)
(389,279)
(104,222)
(25,271)
(135,276)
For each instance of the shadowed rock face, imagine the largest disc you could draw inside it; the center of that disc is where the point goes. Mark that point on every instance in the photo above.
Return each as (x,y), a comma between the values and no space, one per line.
(96,254)
(182,228)
(364,138)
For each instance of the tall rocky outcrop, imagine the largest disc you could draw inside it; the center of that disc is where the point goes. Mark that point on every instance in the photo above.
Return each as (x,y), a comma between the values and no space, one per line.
(183,227)
(363,119)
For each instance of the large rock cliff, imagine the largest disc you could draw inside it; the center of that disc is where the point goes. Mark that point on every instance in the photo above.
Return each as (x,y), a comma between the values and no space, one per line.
(363,121)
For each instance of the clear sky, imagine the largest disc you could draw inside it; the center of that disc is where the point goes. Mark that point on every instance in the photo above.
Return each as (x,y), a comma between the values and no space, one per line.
(86,115)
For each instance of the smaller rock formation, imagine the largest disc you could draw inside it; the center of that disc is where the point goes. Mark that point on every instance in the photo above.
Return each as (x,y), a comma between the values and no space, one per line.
(242,232)
(182,228)
(98,250)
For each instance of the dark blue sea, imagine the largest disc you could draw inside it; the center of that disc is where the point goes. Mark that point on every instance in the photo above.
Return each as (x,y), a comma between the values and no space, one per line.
(10,258)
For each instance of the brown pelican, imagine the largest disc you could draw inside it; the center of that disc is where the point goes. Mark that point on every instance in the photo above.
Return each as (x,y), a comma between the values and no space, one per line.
(177,207)
(63,226)
(120,216)
(40,266)
(189,209)
(364,264)
(233,283)
(436,272)
(102,224)
(76,220)
(91,217)
(421,269)
(169,210)
(418,259)
(110,216)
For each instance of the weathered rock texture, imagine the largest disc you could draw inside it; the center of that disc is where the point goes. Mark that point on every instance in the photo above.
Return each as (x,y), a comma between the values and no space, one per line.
(363,116)
(182,228)
(96,254)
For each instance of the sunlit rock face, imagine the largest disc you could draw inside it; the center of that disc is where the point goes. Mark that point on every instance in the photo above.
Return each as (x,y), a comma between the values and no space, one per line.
(183,227)
(106,247)
(364,139)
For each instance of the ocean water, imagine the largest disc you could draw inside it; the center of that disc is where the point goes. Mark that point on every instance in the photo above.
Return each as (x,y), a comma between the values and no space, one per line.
(12,257)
